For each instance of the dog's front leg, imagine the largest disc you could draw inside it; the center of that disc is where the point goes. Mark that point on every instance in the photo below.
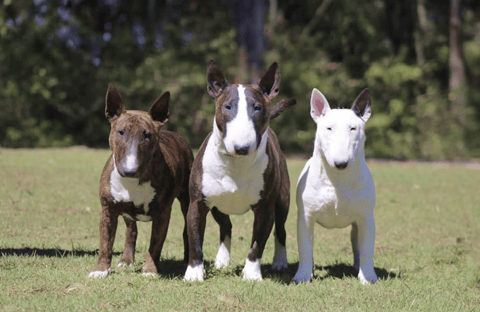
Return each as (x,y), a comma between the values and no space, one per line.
(196,221)
(160,222)
(128,256)
(366,244)
(223,255)
(262,226)
(305,226)
(108,229)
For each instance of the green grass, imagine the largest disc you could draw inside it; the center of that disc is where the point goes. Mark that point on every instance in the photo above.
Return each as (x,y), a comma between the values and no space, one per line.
(427,251)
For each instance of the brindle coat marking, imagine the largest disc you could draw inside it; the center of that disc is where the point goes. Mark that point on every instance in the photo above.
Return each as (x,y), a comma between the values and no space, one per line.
(149,166)
(274,198)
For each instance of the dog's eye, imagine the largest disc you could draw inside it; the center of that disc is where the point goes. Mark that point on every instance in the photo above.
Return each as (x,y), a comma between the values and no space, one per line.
(228,106)
(257,108)
(353,128)
(329,128)
(121,132)
(146,135)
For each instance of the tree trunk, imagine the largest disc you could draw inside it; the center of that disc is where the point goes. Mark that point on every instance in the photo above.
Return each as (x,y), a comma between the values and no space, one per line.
(458,80)
(421,32)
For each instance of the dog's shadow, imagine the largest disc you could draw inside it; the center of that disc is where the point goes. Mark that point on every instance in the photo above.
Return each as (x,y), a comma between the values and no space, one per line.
(173,268)
(336,271)
(49,252)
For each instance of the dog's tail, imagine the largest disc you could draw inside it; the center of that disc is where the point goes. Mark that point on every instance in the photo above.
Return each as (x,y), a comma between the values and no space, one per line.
(281,106)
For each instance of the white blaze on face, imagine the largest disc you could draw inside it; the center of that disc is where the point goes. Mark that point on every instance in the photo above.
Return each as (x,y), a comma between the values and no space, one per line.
(240,131)
(131,163)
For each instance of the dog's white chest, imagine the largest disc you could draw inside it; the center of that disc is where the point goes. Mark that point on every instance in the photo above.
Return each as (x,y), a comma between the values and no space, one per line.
(128,190)
(334,207)
(232,184)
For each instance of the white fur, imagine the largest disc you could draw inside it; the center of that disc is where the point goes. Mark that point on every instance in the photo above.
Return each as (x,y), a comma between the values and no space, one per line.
(149,274)
(232,183)
(280,257)
(98,274)
(129,190)
(337,198)
(240,130)
(131,160)
(194,273)
(223,256)
(252,271)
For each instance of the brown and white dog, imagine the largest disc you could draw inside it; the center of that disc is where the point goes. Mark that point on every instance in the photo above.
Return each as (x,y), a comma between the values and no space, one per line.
(147,170)
(240,167)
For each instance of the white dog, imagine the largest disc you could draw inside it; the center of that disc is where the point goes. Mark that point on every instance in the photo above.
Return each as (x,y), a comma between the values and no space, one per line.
(336,188)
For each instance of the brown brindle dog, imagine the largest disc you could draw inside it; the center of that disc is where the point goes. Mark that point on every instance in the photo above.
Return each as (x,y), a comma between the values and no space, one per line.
(148,169)
(240,167)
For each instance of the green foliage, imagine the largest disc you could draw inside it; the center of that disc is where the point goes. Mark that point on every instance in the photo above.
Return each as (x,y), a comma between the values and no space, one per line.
(53,95)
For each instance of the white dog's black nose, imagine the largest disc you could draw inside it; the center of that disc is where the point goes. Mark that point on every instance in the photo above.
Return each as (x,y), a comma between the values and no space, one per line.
(341,164)
(241,150)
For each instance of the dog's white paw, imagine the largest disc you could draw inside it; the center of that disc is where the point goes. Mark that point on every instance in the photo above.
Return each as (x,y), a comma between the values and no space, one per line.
(302,276)
(370,277)
(124,264)
(252,271)
(279,259)
(223,256)
(98,274)
(194,273)
(149,274)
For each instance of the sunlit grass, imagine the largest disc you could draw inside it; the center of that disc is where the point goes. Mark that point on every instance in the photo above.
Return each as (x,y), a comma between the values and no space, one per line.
(427,251)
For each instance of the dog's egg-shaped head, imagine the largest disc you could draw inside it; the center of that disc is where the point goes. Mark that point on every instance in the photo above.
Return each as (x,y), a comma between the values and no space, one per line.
(242,112)
(340,134)
(134,134)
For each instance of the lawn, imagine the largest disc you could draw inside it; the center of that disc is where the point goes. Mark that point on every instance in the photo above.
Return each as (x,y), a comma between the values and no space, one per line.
(427,250)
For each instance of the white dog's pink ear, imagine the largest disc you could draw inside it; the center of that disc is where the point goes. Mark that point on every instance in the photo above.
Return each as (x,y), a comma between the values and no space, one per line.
(318,105)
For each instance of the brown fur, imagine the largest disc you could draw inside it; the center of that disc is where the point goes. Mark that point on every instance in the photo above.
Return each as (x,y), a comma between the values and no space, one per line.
(275,197)
(165,160)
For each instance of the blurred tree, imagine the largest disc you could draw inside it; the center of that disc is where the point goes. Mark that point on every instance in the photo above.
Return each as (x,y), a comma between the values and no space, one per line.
(58,57)
(458,79)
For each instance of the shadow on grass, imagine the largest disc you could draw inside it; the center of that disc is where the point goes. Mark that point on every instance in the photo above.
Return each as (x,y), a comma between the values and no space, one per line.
(48,252)
(338,270)
(341,270)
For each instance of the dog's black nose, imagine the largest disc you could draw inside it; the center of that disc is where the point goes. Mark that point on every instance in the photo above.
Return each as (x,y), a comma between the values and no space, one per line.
(341,164)
(241,150)
(129,173)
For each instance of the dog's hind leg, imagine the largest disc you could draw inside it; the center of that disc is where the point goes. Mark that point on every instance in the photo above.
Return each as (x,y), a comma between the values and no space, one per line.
(355,247)
(223,256)
(281,211)
(184,200)
(131,233)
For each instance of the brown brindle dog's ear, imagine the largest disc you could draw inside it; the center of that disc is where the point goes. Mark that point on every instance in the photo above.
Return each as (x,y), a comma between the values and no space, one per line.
(216,82)
(281,106)
(114,106)
(270,83)
(160,110)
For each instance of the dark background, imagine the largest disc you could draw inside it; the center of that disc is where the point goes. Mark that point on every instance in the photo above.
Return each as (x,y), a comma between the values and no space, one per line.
(419,58)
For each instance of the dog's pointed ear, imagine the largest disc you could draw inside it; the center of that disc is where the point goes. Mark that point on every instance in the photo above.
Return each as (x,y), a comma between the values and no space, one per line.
(362,105)
(270,82)
(114,105)
(281,106)
(216,82)
(318,105)
(160,110)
